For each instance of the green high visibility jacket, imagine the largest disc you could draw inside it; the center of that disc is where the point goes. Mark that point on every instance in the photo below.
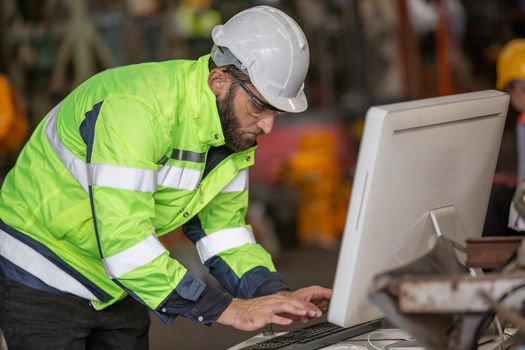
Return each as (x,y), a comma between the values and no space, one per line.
(131,154)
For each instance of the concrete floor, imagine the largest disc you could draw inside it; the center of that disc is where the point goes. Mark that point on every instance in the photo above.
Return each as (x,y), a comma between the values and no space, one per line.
(301,266)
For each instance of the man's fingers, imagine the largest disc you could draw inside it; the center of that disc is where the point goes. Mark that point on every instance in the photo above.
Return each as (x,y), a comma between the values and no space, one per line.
(315,313)
(291,306)
(324,292)
(280,309)
(322,304)
(312,310)
(303,308)
(316,292)
(296,307)
(280,320)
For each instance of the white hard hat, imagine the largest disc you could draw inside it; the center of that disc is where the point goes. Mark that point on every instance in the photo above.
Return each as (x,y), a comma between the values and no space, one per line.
(270,47)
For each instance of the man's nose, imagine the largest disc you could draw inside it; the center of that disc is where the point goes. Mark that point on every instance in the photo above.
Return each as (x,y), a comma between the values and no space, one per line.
(266,124)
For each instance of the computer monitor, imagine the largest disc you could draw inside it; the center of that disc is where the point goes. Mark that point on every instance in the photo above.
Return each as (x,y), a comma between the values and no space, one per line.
(425,168)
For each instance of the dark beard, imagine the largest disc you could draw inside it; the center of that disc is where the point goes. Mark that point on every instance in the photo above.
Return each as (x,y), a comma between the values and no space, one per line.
(230,122)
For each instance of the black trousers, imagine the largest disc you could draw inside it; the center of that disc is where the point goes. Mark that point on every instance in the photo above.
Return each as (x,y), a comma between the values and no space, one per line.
(32,319)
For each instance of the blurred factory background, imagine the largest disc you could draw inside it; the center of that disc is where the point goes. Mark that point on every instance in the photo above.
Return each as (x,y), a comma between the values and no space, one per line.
(363,53)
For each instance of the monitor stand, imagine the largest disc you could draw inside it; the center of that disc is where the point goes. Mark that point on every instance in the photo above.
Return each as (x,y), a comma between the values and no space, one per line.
(446,223)
(423,233)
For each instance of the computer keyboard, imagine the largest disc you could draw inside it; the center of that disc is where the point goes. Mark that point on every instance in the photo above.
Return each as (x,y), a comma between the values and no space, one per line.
(314,337)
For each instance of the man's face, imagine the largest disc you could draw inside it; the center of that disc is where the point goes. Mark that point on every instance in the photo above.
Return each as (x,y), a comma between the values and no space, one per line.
(242,118)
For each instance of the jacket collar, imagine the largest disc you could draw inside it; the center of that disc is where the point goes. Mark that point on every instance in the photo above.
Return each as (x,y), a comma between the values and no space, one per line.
(204,104)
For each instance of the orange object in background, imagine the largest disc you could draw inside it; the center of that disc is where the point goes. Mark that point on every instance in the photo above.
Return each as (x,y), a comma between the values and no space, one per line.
(323,195)
(13,122)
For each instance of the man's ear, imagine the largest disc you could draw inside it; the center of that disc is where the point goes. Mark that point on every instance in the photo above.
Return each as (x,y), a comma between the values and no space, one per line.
(218,81)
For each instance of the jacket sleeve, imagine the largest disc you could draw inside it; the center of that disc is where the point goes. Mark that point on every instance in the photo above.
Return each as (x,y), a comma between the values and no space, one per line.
(227,247)
(122,148)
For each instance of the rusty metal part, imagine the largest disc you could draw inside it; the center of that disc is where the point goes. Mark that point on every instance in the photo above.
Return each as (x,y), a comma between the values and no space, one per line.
(457,294)
(491,252)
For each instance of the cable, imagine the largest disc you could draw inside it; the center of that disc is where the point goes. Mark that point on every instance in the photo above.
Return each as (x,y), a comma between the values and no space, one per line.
(369,339)
(488,315)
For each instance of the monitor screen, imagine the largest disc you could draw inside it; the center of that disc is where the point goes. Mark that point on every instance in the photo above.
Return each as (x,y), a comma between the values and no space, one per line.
(424,168)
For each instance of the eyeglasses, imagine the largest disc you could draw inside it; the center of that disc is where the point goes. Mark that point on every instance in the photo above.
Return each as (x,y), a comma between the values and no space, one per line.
(260,108)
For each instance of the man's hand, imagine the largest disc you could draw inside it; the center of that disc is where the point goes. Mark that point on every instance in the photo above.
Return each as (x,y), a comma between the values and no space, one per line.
(318,296)
(252,314)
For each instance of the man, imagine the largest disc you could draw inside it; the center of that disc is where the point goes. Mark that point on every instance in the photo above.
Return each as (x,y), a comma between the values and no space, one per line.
(132,154)
(510,69)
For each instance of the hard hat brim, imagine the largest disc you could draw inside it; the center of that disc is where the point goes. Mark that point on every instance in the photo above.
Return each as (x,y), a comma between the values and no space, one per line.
(292,105)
